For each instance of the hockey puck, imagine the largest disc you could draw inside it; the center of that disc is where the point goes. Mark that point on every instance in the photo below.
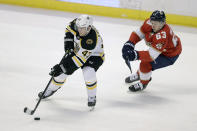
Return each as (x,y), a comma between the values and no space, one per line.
(37,118)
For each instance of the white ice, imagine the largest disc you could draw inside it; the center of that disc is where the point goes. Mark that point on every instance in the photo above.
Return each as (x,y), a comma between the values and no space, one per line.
(31,42)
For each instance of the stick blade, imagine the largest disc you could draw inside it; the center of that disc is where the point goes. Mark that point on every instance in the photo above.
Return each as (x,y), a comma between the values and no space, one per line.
(28,111)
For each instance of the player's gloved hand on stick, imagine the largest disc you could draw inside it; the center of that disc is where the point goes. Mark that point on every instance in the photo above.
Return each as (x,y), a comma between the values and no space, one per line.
(130,55)
(128,52)
(56,70)
(128,46)
(69,52)
(69,47)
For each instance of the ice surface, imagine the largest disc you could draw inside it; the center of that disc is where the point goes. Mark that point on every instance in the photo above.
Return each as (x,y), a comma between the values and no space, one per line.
(31,42)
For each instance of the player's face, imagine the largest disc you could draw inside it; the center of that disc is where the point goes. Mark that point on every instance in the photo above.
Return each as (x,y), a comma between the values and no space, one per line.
(83,31)
(156,25)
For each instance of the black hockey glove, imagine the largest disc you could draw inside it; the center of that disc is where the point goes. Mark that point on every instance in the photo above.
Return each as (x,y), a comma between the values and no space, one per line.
(56,70)
(69,47)
(130,55)
(69,52)
(128,46)
(68,42)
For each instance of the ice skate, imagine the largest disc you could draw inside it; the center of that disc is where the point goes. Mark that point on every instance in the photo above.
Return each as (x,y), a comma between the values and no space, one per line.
(132,78)
(47,94)
(137,87)
(91,102)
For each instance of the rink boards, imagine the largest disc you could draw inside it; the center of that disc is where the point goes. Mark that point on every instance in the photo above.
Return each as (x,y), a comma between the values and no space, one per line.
(101,10)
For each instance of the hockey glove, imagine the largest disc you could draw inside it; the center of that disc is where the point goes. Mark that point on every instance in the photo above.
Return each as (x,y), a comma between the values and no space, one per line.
(56,71)
(68,43)
(68,46)
(130,55)
(69,52)
(128,46)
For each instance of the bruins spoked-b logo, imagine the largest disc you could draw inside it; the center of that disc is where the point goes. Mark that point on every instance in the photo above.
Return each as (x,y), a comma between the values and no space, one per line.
(89,41)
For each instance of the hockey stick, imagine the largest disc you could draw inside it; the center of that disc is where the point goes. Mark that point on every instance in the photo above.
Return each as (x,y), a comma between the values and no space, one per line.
(31,112)
(129,65)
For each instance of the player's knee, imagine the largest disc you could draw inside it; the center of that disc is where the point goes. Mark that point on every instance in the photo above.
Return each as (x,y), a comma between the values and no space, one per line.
(145,67)
(89,74)
(61,78)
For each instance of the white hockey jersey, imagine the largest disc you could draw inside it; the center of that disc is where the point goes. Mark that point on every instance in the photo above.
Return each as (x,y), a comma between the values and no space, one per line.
(87,46)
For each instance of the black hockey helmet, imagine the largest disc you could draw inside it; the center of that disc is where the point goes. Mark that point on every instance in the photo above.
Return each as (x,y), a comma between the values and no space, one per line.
(158,16)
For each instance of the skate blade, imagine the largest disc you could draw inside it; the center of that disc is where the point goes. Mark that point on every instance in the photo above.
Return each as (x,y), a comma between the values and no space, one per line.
(91,108)
(135,92)
(132,92)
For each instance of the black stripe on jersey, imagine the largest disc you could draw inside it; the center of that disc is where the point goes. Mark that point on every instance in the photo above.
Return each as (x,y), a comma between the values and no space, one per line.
(58,82)
(79,59)
(91,84)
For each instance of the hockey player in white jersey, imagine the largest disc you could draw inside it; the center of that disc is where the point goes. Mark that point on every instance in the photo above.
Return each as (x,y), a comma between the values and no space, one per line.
(83,49)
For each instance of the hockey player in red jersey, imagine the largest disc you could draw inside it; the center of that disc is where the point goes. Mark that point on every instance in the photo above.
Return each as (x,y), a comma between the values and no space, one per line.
(164,49)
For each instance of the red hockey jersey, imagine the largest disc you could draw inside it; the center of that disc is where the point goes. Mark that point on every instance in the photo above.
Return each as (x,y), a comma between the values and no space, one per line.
(164,41)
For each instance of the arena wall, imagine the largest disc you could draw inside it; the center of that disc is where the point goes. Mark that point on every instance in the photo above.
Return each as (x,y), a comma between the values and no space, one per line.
(179,12)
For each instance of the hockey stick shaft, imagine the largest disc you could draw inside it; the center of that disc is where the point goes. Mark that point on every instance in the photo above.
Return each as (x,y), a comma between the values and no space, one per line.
(129,65)
(42,96)
(31,112)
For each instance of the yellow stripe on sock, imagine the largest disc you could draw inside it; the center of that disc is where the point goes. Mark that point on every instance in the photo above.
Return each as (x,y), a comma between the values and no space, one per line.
(58,84)
(91,88)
